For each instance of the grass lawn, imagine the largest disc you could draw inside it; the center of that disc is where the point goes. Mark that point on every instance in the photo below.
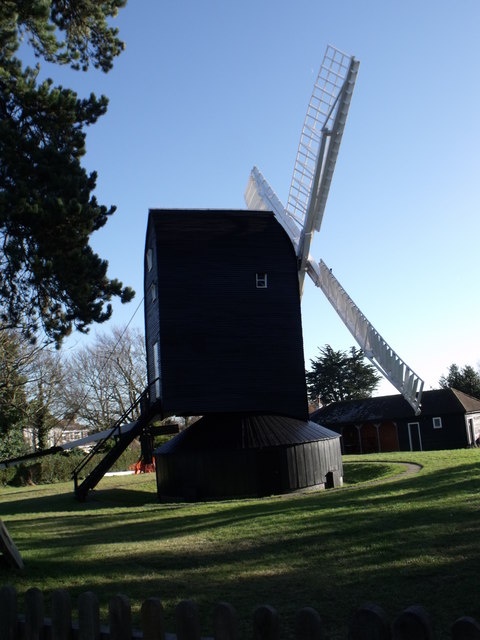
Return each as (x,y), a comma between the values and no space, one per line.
(401,541)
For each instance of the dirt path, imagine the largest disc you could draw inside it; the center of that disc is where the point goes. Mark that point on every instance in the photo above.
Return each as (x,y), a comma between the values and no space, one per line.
(410,469)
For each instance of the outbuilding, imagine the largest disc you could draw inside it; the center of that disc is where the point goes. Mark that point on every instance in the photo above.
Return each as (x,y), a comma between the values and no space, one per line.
(449,419)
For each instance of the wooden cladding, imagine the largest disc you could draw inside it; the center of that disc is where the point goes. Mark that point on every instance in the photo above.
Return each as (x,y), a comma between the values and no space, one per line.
(226,314)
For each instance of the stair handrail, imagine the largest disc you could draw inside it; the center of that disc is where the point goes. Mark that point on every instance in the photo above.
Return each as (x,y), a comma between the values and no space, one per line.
(114,431)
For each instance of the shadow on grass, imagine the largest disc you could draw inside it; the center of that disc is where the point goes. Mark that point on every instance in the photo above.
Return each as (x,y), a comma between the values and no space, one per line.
(408,541)
(443,485)
(415,501)
(127,497)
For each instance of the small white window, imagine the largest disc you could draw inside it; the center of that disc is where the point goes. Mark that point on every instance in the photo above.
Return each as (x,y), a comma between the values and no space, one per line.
(149,259)
(261,280)
(437,423)
(153,291)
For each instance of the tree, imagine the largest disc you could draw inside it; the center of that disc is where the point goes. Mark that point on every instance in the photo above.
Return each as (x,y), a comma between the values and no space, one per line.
(31,378)
(466,380)
(340,375)
(103,379)
(50,277)
(13,401)
(44,390)
(129,363)
(87,37)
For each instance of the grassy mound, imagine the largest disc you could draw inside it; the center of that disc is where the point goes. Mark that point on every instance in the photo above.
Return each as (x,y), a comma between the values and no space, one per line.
(360,472)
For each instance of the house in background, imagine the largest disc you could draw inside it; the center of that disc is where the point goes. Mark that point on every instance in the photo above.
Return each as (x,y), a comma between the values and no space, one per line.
(449,419)
(65,431)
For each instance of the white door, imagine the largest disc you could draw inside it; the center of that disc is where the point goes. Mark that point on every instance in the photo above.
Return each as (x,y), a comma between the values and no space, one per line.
(414,436)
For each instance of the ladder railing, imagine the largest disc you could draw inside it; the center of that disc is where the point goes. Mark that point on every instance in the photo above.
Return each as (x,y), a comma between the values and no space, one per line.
(115,432)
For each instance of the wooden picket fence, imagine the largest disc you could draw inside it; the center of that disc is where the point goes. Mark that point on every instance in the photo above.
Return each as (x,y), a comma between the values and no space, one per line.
(368,623)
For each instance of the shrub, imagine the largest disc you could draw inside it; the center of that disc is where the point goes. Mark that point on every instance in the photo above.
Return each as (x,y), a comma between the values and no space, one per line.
(58,467)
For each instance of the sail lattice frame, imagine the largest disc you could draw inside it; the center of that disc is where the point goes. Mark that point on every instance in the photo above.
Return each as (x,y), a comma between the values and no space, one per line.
(375,348)
(319,120)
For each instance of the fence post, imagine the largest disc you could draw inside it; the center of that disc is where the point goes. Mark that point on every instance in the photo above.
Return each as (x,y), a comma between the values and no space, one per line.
(466,628)
(225,622)
(266,623)
(8,613)
(153,626)
(34,614)
(369,621)
(88,616)
(308,625)
(413,624)
(61,615)
(187,621)
(120,618)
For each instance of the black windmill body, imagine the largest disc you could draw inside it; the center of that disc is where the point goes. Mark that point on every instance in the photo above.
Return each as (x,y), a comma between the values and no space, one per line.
(220,298)
(224,341)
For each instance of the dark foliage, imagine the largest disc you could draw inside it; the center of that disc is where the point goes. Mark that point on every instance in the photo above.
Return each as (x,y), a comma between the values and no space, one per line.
(49,275)
(74,32)
(13,401)
(59,467)
(340,375)
(466,380)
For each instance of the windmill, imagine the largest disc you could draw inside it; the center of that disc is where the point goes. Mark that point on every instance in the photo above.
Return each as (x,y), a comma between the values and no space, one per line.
(223,329)
(312,175)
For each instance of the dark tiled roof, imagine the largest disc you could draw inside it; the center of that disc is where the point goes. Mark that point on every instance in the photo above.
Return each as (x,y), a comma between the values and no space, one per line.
(468,402)
(437,402)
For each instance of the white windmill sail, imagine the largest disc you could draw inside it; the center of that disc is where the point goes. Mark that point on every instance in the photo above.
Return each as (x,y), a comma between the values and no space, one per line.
(316,157)
(319,145)
(370,341)
(260,196)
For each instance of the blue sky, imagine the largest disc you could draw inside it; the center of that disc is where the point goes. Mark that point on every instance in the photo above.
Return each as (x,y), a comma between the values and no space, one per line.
(207,89)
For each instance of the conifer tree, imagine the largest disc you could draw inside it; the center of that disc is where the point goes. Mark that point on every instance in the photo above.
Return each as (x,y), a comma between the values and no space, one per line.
(13,400)
(50,277)
(464,379)
(340,375)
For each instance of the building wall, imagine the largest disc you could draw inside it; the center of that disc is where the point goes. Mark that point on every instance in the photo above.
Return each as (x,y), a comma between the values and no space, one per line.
(472,420)
(152,316)
(404,435)
(369,437)
(451,435)
(225,345)
(209,473)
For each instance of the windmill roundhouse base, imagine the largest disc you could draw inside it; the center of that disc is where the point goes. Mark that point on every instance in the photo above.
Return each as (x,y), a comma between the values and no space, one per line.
(239,455)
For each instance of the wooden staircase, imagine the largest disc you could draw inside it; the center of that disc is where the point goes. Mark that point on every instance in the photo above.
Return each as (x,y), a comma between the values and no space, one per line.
(123,433)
